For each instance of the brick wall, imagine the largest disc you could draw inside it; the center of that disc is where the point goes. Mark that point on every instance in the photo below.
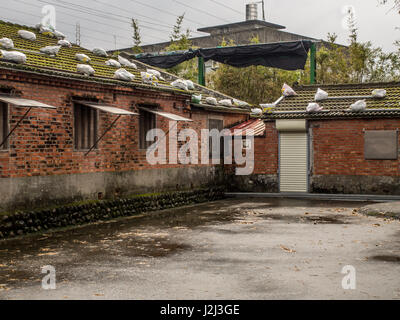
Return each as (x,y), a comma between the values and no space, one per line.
(266,151)
(339,148)
(44,145)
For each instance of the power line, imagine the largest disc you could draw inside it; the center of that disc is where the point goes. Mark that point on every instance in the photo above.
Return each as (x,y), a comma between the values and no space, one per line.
(227,7)
(165,11)
(200,10)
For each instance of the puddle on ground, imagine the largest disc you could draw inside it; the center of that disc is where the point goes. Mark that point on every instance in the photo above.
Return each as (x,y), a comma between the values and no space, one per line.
(386,258)
(336,219)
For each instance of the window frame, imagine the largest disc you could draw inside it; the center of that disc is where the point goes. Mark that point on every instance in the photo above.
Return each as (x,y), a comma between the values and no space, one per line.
(143,144)
(5,121)
(95,124)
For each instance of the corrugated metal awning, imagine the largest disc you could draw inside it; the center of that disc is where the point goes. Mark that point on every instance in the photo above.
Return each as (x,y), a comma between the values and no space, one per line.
(257,125)
(19,102)
(167,115)
(107,108)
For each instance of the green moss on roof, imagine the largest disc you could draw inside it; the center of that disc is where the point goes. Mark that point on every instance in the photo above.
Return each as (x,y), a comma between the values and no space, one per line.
(65,60)
(306,95)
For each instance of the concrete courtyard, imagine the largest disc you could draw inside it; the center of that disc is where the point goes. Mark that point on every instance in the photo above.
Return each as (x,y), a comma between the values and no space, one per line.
(231,249)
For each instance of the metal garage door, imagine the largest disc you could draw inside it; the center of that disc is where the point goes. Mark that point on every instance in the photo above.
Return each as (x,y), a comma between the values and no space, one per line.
(293,162)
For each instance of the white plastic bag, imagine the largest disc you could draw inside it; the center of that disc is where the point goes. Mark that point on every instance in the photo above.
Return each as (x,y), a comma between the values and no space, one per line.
(27,35)
(149,78)
(360,105)
(189,84)
(51,50)
(156,73)
(267,107)
(126,63)
(82,57)
(59,35)
(314,107)
(113,63)
(196,98)
(64,43)
(46,30)
(6,43)
(256,111)
(321,95)
(180,84)
(379,93)
(85,69)
(122,74)
(287,91)
(225,102)
(100,52)
(212,101)
(239,103)
(13,56)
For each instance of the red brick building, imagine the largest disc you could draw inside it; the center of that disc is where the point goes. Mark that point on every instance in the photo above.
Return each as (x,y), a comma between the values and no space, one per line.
(46,159)
(332,151)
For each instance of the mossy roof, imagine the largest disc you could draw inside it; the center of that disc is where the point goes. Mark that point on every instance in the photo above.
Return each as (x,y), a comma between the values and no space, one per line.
(341,97)
(65,60)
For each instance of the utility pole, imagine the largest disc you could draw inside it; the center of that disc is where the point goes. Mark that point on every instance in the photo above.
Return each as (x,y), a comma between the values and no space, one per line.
(78,34)
(313,63)
(263,9)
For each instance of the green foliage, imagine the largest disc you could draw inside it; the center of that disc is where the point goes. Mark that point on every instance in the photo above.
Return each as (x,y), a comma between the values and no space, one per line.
(180,41)
(359,62)
(137,40)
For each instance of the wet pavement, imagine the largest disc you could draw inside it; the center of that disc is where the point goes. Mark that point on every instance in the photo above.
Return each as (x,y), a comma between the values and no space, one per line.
(231,249)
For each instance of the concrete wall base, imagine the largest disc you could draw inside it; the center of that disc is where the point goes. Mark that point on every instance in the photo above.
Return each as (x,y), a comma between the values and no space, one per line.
(42,191)
(337,184)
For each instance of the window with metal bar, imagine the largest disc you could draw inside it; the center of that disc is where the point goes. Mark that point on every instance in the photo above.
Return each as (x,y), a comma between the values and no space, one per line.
(147,121)
(3,124)
(85,127)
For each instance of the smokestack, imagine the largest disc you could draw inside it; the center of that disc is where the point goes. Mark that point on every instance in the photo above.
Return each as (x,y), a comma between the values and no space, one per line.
(251,11)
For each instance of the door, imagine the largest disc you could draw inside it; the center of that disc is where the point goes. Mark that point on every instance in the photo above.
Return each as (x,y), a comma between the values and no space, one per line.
(293,162)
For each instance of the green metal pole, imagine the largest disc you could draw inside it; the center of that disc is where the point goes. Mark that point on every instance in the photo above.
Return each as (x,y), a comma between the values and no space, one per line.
(313,63)
(202,78)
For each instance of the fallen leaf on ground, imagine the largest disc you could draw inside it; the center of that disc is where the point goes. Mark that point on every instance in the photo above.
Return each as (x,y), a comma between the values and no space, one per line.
(99,294)
(47,254)
(377,225)
(287,249)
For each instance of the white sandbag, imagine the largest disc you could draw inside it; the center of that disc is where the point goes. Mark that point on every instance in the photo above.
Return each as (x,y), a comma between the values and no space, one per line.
(64,43)
(196,98)
(225,102)
(82,57)
(321,95)
(122,74)
(126,63)
(239,103)
(85,69)
(100,52)
(189,84)
(59,35)
(180,84)
(51,50)
(13,56)
(46,31)
(287,91)
(149,78)
(156,73)
(256,111)
(212,101)
(360,105)
(267,107)
(314,107)
(113,63)
(379,93)
(27,35)
(6,43)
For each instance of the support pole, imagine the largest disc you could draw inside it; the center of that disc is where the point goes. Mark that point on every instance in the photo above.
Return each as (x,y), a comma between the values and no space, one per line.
(105,132)
(313,63)
(13,129)
(202,71)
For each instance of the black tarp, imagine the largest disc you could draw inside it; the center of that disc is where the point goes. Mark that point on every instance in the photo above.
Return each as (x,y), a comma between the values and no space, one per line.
(283,55)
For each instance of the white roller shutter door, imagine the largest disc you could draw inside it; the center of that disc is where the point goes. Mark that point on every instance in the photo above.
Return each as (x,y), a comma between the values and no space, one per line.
(293,162)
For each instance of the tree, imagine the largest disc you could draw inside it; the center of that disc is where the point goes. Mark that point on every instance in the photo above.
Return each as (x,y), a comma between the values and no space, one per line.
(137,40)
(180,41)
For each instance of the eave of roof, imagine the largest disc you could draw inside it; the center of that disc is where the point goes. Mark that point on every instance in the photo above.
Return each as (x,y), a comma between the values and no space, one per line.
(242,23)
(224,109)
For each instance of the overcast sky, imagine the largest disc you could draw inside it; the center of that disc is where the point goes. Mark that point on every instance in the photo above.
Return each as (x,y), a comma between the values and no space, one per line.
(108,25)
